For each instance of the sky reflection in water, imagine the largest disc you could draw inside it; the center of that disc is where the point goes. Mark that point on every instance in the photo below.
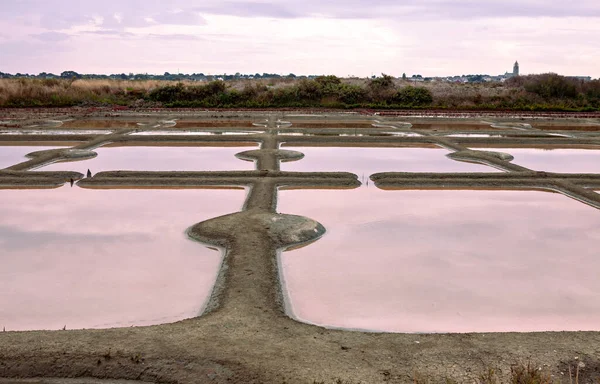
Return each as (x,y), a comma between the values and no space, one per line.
(159,159)
(445,261)
(11,155)
(372,160)
(105,258)
(555,160)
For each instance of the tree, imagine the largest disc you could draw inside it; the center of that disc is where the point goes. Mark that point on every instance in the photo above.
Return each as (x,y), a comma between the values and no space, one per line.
(330,80)
(410,96)
(404,76)
(551,85)
(383,82)
(70,75)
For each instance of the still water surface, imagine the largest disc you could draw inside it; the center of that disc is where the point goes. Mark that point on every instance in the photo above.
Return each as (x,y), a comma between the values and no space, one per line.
(12,155)
(159,159)
(445,261)
(105,258)
(372,160)
(556,160)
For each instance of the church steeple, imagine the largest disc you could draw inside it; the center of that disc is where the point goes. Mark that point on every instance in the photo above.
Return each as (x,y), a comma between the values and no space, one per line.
(516,69)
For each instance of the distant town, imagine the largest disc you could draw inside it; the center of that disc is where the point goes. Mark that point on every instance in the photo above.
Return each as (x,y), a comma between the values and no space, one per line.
(201,77)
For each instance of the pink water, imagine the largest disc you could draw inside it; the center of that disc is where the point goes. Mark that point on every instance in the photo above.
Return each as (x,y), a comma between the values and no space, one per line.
(445,261)
(372,160)
(109,258)
(159,159)
(556,160)
(12,155)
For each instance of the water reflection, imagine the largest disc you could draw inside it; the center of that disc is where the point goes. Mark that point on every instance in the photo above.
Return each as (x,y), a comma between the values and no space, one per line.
(159,159)
(445,261)
(473,135)
(372,160)
(53,132)
(556,160)
(110,258)
(10,156)
(194,133)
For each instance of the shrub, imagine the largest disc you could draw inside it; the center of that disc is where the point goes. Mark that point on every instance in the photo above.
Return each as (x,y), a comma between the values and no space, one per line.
(592,90)
(381,88)
(413,96)
(328,81)
(383,82)
(167,94)
(351,94)
(50,82)
(551,85)
(308,90)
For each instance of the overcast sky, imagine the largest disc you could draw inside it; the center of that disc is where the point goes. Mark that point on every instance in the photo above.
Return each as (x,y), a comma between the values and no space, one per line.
(350,37)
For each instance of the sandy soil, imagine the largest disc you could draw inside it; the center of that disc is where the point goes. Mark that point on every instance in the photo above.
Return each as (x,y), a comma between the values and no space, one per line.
(245,336)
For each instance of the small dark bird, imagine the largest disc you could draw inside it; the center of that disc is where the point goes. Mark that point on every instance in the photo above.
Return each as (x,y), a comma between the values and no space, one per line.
(89,173)
(72,181)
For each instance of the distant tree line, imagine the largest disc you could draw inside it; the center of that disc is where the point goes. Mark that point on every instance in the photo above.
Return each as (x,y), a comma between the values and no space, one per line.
(553,86)
(322,91)
(202,77)
(545,92)
(144,76)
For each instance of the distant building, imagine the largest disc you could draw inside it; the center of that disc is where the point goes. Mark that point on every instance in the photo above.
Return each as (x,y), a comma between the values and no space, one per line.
(514,73)
(582,78)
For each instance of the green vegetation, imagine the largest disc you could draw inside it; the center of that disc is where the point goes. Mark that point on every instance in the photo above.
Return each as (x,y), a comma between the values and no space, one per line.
(547,92)
(323,91)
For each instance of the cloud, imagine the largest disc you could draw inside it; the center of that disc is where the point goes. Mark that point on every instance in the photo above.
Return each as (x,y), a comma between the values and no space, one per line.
(252,9)
(357,37)
(14,239)
(65,14)
(174,36)
(179,17)
(407,10)
(51,36)
(61,14)
(142,36)
(110,33)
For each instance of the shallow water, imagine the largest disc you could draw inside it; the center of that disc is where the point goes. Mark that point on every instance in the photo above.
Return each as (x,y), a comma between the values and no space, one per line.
(105,124)
(368,161)
(13,155)
(472,135)
(159,159)
(110,258)
(445,261)
(193,133)
(555,160)
(53,132)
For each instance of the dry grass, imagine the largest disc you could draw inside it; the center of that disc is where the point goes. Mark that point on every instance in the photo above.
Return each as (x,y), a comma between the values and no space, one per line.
(528,374)
(54,92)
(145,85)
(70,92)
(520,373)
(59,92)
(281,92)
